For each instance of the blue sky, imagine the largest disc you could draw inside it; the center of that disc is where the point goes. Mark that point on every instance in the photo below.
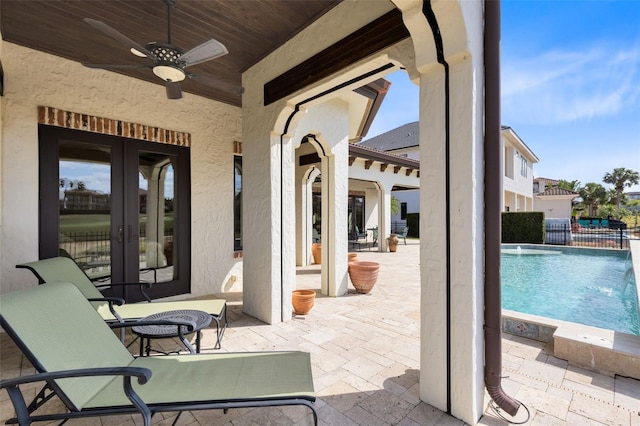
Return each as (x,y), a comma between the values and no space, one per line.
(570,73)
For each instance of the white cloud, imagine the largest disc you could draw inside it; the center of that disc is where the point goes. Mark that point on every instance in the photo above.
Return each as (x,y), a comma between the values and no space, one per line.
(558,86)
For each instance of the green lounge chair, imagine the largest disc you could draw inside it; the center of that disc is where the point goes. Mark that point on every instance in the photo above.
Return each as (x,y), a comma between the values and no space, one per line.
(82,362)
(65,269)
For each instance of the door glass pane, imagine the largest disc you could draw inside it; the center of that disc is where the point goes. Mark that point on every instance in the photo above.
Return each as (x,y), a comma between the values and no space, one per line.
(85,207)
(156,215)
(237,203)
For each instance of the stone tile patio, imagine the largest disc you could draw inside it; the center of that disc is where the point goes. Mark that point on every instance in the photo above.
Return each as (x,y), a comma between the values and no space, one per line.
(365,354)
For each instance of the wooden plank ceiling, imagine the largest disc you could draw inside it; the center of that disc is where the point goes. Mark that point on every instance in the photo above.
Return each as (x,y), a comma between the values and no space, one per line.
(249,29)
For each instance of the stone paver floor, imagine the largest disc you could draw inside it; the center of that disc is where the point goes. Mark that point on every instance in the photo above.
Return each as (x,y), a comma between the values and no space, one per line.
(365,355)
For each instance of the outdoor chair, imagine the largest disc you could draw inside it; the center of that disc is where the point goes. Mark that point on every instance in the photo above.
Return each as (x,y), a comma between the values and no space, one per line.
(359,238)
(115,310)
(403,234)
(85,365)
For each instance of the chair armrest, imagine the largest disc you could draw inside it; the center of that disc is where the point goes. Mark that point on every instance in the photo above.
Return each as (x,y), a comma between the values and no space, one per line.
(143,375)
(20,406)
(112,301)
(142,287)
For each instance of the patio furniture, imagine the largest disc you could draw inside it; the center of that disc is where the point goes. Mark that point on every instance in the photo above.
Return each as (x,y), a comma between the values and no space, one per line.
(62,336)
(359,239)
(403,234)
(374,236)
(148,330)
(65,269)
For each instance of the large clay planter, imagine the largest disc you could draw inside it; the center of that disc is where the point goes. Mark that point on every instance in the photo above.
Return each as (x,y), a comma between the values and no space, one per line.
(316,251)
(363,275)
(392,241)
(303,301)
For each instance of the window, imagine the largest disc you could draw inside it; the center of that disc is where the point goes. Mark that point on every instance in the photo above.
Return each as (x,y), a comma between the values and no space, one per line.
(237,203)
(523,166)
(403,211)
(355,213)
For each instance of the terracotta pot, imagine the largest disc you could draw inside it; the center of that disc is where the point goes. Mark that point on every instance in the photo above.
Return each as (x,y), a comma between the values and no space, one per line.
(316,251)
(392,241)
(363,275)
(303,301)
(352,257)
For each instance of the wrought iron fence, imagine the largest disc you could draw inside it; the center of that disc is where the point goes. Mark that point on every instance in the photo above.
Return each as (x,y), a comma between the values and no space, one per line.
(93,249)
(398,226)
(603,237)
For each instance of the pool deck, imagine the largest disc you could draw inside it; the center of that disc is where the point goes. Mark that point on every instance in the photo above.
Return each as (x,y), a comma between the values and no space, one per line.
(365,357)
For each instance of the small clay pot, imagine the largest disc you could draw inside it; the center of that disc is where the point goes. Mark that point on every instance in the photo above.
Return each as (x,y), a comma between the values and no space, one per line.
(303,301)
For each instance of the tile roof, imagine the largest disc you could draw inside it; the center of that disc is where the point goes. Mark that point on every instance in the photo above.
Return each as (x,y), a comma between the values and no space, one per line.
(557,191)
(405,136)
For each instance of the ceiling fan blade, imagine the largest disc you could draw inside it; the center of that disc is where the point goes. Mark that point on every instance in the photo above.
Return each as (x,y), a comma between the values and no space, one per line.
(116,66)
(206,51)
(217,83)
(173,90)
(118,36)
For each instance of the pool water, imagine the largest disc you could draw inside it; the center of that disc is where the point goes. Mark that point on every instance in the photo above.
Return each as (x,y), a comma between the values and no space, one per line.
(592,289)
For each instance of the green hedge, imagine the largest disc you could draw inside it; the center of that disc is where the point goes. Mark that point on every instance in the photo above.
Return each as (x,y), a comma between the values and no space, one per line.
(413,222)
(523,227)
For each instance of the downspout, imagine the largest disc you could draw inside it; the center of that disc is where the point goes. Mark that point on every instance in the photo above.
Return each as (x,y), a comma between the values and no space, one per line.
(492,211)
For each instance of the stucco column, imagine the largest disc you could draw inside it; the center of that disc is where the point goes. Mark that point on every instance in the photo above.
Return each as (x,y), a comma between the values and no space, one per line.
(384,214)
(269,213)
(335,177)
(451,201)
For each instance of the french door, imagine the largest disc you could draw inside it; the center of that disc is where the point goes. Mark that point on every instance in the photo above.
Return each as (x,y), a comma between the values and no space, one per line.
(119,207)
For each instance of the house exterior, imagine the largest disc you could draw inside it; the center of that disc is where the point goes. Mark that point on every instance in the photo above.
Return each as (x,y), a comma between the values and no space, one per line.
(187,152)
(518,167)
(632,196)
(402,141)
(518,172)
(556,203)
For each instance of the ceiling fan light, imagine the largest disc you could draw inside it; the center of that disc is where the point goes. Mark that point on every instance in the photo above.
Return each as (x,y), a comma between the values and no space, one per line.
(169,73)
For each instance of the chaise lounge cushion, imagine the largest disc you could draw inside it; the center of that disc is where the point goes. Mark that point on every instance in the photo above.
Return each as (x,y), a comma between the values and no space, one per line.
(65,269)
(58,329)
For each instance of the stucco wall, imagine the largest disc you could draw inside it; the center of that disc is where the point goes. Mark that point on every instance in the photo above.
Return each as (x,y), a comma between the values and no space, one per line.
(519,184)
(412,198)
(34,78)
(552,208)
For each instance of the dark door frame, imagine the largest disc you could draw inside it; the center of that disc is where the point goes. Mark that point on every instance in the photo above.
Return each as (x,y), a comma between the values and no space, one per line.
(123,163)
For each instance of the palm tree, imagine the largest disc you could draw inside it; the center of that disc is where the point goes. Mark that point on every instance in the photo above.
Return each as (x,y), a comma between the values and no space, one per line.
(395,205)
(571,185)
(621,178)
(591,195)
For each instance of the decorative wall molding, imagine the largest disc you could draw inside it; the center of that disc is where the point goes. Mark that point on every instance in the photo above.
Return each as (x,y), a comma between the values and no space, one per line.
(108,126)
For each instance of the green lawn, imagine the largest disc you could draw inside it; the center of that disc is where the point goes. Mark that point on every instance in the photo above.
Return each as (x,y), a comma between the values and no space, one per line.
(95,223)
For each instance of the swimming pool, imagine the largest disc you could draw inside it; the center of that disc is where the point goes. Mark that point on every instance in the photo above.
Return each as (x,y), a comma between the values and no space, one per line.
(592,287)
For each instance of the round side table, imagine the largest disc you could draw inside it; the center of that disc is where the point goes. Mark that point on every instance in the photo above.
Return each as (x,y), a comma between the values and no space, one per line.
(148,332)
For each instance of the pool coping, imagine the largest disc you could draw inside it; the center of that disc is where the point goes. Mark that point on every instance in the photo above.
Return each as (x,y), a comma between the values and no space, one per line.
(599,349)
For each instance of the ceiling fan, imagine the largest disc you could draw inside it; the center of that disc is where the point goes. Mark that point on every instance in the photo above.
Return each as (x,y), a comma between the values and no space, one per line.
(167,61)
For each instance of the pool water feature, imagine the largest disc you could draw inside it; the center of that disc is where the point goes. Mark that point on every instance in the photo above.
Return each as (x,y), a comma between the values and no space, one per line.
(586,286)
